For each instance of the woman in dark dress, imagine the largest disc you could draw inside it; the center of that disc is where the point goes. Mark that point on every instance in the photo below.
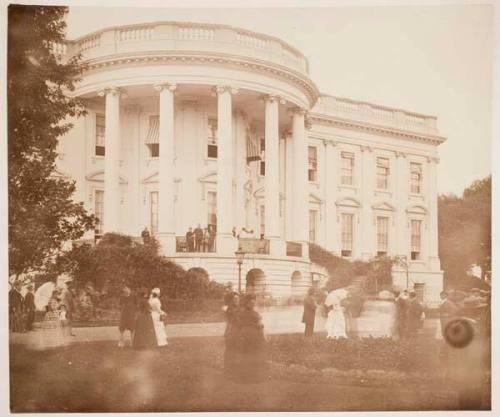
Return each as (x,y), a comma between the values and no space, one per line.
(252,366)
(144,334)
(231,334)
(128,310)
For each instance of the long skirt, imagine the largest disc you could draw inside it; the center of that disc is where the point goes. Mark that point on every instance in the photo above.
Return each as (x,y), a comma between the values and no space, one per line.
(161,334)
(144,335)
(335,324)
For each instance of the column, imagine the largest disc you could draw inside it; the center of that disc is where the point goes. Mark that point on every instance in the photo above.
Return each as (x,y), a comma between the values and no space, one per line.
(300,194)
(239,166)
(226,243)
(434,262)
(271,182)
(402,185)
(133,226)
(289,187)
(332,182)
(111,221)
(166,223)
(369,233)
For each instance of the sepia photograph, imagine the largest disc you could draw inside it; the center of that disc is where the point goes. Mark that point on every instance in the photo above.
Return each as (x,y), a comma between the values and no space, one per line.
(248,209)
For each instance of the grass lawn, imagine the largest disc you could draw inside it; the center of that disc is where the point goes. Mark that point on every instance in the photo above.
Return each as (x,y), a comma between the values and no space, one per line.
(187,376)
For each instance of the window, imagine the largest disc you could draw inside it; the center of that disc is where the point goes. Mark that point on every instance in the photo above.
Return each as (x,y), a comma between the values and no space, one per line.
(416,226)
(313,163)
(153,137)
(153,211)
(347,177)
(382,236)
(347,234)
(383,173)
(415,178)
(212,208)
(212,138)
(262,220)
(100,127)
(312,225)
(262,157)
(99,212)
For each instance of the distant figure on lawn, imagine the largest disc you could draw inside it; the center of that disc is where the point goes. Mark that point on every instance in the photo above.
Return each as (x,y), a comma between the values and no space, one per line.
(252,365)
(309,313)
(448,310)
(416,315)
(336,320)
(144,333)
(401,319)
(128,311)
(158,316)
(16,308)
(29,307)
(231,335)
(68,300)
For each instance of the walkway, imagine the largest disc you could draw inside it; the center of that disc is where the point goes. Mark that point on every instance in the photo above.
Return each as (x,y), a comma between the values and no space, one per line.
(376,320)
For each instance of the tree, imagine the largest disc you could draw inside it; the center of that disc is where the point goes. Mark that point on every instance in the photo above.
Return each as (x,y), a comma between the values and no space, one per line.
(465,232)
(42,214)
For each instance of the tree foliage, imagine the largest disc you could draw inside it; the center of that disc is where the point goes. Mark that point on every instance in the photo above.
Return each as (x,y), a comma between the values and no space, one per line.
(465,232)
(341,272)
(42,215)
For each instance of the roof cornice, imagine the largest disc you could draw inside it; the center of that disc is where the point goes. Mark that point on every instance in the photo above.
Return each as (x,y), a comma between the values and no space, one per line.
(376,129)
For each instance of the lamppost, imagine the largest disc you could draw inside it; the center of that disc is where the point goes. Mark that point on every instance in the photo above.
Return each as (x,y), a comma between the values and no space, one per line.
(402,260)
(239,259)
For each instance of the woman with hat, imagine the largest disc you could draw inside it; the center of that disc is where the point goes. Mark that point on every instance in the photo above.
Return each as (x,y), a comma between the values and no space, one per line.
(144,332)
(252,364)
(158,316)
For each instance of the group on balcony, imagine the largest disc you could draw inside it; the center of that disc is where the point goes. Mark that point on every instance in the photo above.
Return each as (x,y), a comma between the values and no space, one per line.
(198,240)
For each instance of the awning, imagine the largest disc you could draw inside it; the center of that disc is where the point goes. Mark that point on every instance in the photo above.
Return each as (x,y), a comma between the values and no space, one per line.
(153,135)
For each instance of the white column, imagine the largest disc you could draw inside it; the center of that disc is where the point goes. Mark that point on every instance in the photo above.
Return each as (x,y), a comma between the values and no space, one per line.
(289,187)
(402,185)
(111,221)
(434,262)
(271,183)
(239,166)
(166,222)
(367,222)
(226,244)
(133,226)
(331,191)
(300,192)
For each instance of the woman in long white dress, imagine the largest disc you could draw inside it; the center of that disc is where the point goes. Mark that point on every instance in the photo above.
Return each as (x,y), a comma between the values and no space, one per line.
(158,316)
(336,323)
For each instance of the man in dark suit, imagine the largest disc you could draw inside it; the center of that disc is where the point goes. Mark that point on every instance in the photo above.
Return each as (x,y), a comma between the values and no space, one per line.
(415,315)
(198,238)
(16,308)
(309,313)
(29,307)
(190,240)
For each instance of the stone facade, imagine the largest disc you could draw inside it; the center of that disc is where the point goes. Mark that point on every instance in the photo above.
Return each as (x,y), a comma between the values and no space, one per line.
(193,124)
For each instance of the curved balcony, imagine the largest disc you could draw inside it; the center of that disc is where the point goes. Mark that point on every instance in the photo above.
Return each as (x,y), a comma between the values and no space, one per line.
(185,37)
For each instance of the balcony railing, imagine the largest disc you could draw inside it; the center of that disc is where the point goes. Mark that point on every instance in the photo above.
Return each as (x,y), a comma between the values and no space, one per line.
(189,37)
(293,249)
(254,245)
(182,246)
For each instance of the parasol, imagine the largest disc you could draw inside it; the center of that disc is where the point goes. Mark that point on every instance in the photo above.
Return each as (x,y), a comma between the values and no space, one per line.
(43,295)
(336,296)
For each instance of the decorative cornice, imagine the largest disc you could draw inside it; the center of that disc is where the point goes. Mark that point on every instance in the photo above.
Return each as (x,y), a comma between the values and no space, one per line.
(376,129)
(276,70)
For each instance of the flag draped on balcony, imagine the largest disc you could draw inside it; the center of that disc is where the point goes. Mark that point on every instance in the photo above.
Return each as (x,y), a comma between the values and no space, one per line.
(153,135)
(253,147)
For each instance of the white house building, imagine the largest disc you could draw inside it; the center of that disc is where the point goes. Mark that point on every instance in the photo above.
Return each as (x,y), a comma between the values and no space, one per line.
(208,124)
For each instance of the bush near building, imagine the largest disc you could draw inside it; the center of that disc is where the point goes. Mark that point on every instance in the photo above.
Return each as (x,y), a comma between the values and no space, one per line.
(100,271)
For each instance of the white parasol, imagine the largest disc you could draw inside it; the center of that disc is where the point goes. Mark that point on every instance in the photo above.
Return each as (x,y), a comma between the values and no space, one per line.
(336,296)
(43,295)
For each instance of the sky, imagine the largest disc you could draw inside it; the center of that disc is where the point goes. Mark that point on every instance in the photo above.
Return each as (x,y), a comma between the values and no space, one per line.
(433,59)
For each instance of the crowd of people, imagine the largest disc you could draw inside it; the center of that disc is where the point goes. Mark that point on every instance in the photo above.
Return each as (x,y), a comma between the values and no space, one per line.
(201,240)
(410,315)
(21,308)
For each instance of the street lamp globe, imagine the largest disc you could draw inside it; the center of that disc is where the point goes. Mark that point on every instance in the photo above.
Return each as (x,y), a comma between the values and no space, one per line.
(240,254)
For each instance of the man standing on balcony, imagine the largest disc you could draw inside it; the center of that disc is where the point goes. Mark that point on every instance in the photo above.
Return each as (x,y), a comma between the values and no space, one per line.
(198,238)
(190,240)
